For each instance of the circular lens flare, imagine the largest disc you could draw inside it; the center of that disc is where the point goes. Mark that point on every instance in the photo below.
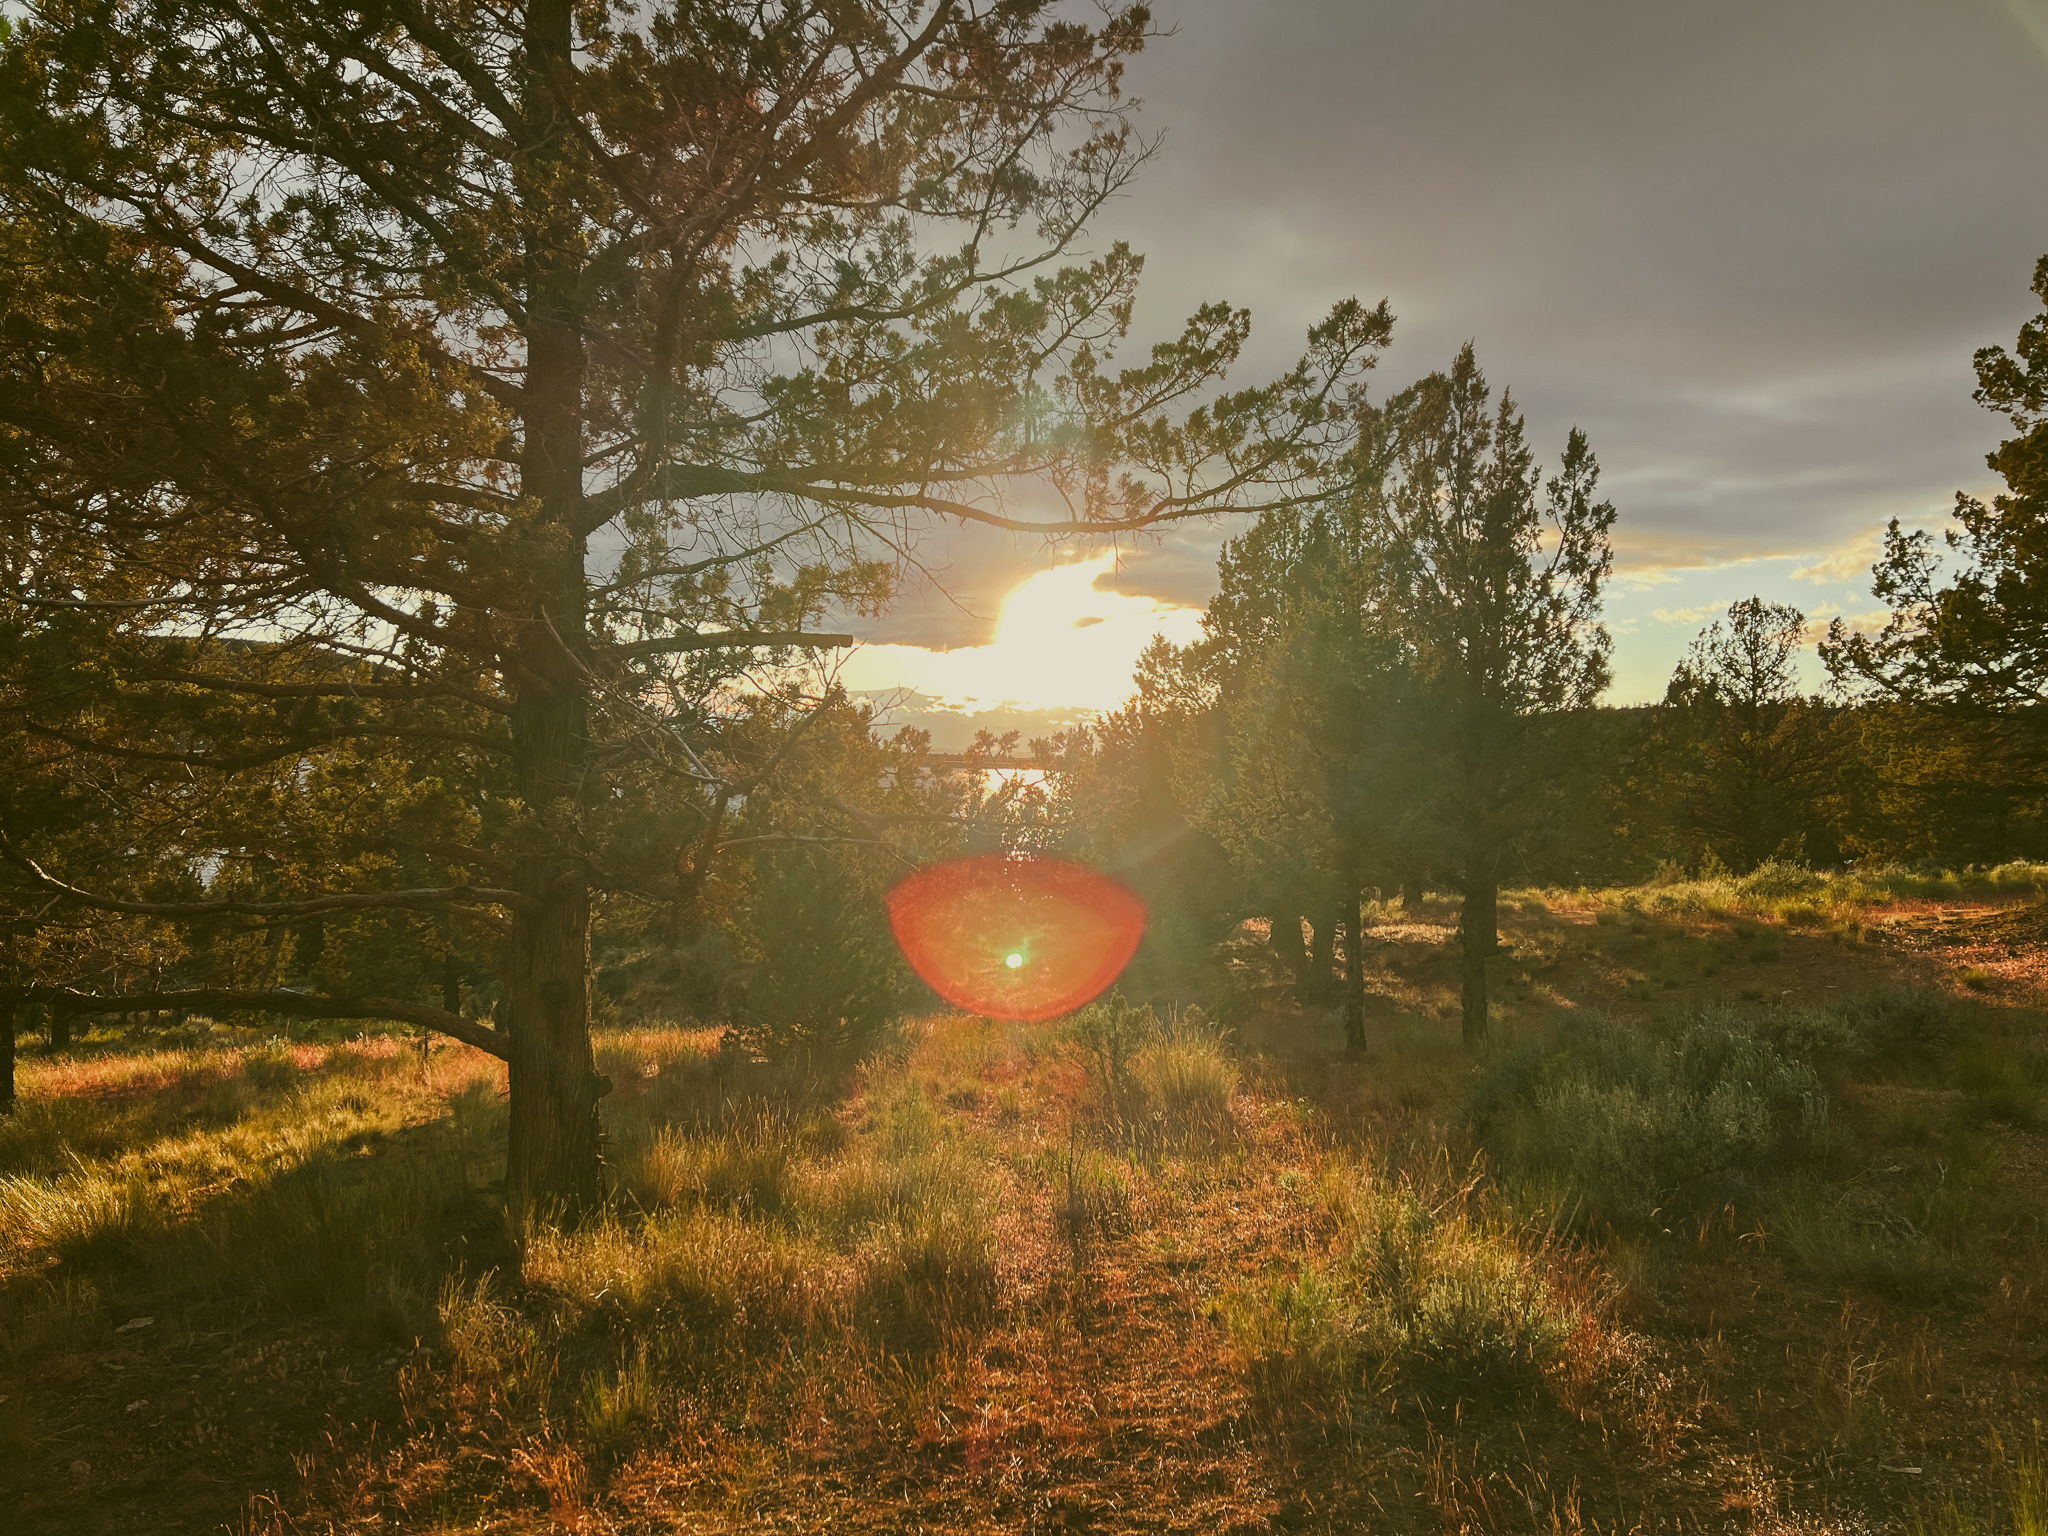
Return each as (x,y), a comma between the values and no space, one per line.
(1079,929)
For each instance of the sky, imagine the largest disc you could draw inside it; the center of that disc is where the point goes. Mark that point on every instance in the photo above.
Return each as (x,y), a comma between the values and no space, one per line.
(1749,247)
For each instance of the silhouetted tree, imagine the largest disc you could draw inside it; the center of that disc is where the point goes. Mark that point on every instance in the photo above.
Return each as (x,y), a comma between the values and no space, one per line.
(1750,760)
(554,366)
(1493,580)
(1980,643)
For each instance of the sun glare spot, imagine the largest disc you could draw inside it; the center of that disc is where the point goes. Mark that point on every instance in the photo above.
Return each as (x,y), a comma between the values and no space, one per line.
(1013,960)
(1060,643)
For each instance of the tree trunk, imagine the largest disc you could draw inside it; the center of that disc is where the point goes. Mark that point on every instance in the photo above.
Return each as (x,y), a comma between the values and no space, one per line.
(554,1156)
(1411,891)
(1287,943)
(1479,931)
(60,1027)
(1317,982)
(1354,974)
(8,1005)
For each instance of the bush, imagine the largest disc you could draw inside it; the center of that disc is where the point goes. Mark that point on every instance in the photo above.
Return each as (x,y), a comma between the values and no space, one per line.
(1902,1023)
(1110,1034)
(1777,878)
(1642,1129)
(1424,1283)
(829,980)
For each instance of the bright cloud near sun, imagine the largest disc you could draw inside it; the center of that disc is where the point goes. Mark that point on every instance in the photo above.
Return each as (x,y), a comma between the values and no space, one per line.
(1060,643)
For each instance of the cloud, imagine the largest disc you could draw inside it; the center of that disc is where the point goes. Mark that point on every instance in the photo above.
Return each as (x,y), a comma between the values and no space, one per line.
(1697,615)
(1855,623)
(1063,642)
(1845,562)
(954,730)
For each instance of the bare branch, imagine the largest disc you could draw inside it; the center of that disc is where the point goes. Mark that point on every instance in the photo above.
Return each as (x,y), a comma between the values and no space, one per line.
(453,895)
(733,639)
(304,1004)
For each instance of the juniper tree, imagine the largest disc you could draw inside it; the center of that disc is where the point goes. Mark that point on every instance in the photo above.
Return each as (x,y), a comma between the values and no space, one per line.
(1979,644)
(552,366)
(1493,580)
(1749,758)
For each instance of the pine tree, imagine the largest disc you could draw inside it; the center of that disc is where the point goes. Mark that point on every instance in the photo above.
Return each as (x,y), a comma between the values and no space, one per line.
(1750,759)
(551,367)
(1493,580)
(1979,644)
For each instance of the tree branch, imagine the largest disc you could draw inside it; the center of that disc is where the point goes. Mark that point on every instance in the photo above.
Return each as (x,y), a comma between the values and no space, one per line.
(305,1004)
(732,639)
(453,895)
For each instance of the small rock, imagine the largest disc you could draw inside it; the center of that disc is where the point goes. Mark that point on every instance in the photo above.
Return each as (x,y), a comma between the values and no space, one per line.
(136,1322)
(140,1402)
(79,1469)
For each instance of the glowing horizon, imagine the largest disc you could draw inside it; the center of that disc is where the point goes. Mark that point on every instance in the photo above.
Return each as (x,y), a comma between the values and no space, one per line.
(1060,642)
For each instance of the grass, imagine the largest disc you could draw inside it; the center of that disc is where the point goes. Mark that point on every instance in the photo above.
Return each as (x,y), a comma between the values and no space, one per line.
(1636,1130)
(1735,1213)
(1424,1281)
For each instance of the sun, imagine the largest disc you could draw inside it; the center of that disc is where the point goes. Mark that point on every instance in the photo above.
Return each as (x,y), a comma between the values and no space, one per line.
(1061,642)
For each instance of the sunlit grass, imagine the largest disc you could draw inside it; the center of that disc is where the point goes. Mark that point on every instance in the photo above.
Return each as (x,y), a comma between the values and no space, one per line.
(1798,896)
(988,1224)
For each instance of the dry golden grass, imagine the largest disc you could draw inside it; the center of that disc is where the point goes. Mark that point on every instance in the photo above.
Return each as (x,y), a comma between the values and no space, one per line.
(1043,1277)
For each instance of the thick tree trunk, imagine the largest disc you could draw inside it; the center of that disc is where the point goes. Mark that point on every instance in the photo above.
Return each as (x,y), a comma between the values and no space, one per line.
(1411,891)
(554,1157)
(8,1006)
(554,1160)
(1479,932)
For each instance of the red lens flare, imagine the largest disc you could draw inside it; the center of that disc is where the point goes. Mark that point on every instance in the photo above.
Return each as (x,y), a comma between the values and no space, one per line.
(1015,938)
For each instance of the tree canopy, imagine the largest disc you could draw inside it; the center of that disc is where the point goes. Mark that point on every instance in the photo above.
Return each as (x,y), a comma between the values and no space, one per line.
(513,385)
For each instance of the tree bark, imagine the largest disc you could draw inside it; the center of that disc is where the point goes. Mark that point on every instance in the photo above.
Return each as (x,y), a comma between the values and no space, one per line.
(60,1027)
(554,1157)
(1479,931)
(1411,891)
(554,1167)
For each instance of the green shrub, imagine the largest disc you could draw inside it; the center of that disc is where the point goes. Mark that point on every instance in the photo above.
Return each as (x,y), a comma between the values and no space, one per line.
(830,980)
(1109,1034)
(1776,878)
(1907,1024)
(1426,1284)
(1641,1129)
